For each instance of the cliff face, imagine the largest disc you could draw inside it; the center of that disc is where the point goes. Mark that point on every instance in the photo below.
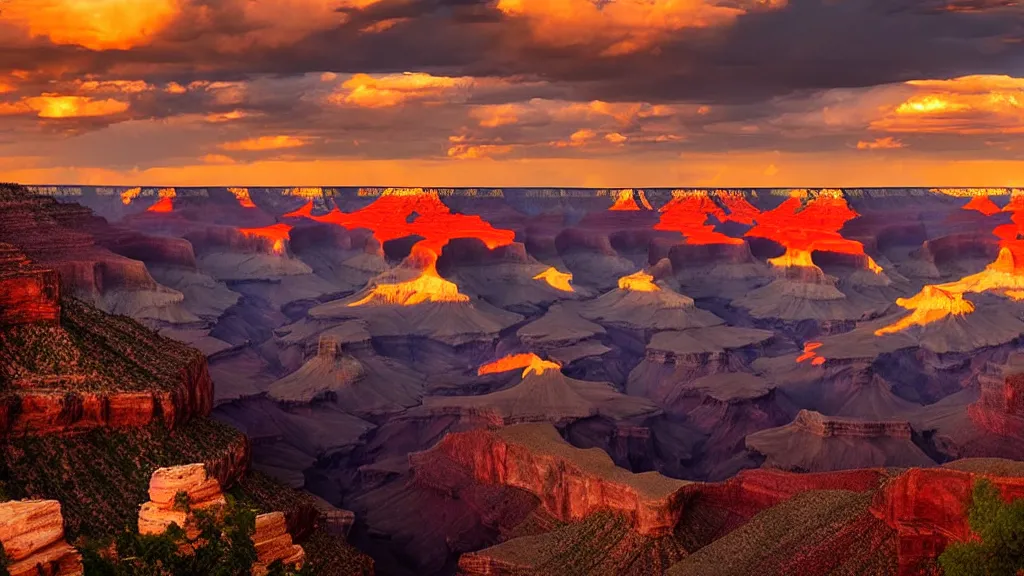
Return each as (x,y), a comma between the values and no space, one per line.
(28,293)
(572,484)
(39,410)
(32,537)
(929,508)
(1000,410)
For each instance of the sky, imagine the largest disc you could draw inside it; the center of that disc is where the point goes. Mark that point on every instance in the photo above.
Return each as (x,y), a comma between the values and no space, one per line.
(588,93)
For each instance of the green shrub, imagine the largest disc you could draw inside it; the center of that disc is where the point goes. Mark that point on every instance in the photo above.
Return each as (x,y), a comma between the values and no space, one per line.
(999,551)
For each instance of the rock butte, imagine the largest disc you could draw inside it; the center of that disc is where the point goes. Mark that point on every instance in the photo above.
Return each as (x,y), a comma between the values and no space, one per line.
(530,363)
(556,279)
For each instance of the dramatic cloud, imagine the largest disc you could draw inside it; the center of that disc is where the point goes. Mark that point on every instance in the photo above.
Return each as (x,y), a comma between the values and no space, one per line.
(764,91)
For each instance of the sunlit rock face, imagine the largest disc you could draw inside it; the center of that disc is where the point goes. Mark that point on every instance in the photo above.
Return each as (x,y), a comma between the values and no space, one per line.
(32,537)
(781,350)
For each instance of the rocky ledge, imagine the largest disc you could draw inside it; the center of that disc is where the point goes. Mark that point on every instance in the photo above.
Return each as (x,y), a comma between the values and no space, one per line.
(163,509)
(32,538)
(828,426)
(571,483)
(273,543)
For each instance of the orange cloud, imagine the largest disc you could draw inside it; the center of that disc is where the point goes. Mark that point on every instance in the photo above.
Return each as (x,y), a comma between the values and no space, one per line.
(114,86)
(93,24)
(368,91)
(497,115)
(980,104)
(226,116)
(53,106)
(886,143)
(462,149)
(265,143)
(623,26)
(217,159)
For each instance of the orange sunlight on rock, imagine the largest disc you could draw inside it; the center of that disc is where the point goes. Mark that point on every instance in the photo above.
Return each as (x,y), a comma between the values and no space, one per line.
(982,204)
(810,354)
(277,234)
(625,201)
(531,364)
(131,194)
(165,204)
(429,286)
(557,280)
(1005,276)
(93,24)
(688,212)
(804,229)
(638,282)
(242,194)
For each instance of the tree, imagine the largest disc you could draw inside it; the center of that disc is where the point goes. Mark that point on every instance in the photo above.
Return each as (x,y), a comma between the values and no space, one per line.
(223,547)
(999,549)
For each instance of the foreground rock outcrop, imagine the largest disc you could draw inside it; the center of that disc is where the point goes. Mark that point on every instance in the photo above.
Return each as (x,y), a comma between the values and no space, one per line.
(32,539)
(273,543)
(164,508)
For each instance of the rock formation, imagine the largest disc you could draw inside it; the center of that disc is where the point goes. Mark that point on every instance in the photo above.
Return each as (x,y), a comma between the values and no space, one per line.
(28,293)
(32,539)
(817,443)
(571,483)
(273,543)
(202,492)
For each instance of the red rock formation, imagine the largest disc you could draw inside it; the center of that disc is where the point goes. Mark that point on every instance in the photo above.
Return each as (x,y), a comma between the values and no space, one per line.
(37,409)
(571,483)
(929,509)
(32,538)
(273,543)
(1000,409)
(162,510)
(28,293)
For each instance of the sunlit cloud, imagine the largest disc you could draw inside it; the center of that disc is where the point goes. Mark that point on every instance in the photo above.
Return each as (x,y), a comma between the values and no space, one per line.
(114,86)
(886,143)
(265,143)
(978,104)
(366,91)
(93,24)
(54,106)
(226,116)
(624,26)
(217,159)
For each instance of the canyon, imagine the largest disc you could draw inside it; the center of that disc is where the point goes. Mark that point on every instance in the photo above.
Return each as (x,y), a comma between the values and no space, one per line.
(541,381)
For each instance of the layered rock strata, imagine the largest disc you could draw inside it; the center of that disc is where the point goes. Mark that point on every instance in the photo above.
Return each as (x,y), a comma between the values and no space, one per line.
(571,484)
(203,492)
(273,543)
(28,293)
(32,539)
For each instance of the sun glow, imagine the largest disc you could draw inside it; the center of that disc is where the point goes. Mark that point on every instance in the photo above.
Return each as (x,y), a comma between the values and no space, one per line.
(530,363)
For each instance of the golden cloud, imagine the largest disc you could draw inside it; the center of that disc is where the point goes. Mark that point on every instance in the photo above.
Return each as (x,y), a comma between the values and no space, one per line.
(54,106)
(623,26)
(264,143)
(93,24)
(980,104)
(368,91)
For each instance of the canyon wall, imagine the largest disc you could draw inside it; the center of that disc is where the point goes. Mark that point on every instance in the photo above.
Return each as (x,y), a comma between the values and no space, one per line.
(28,293)
(54,411)
(571,483)
(827,426)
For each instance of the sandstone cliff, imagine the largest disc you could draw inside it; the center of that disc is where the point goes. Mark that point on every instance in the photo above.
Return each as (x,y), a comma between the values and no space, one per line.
(32,538)
(571,483)
(28,293)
